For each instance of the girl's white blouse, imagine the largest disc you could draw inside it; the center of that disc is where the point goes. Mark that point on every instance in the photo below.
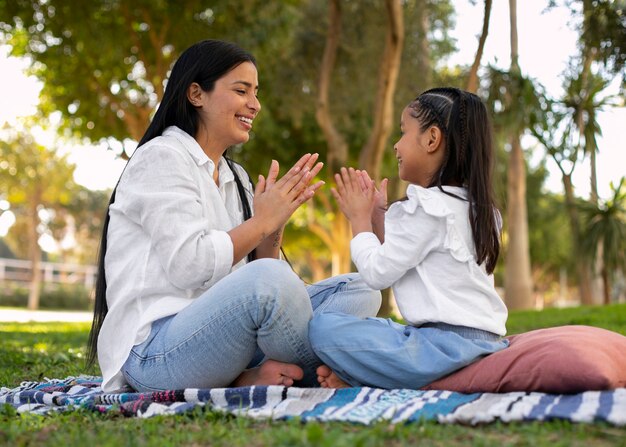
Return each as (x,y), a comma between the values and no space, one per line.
(428,258)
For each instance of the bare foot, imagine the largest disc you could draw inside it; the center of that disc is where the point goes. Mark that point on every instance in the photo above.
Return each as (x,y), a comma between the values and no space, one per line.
(328,379)
(271,372)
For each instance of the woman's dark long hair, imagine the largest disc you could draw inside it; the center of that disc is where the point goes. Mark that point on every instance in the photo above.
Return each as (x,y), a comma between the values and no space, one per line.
(468,161)
(203,63)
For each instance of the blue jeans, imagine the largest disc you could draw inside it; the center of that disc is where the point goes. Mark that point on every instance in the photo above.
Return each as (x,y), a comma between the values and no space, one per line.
(261,310)
(381,353)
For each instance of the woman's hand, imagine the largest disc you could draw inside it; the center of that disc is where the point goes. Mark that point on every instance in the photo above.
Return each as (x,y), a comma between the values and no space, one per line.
(275,199)
(355,198)
(274,202)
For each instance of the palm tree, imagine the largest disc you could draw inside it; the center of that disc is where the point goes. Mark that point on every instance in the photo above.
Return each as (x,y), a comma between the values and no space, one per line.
(583,100)
(604,234)
(517,279)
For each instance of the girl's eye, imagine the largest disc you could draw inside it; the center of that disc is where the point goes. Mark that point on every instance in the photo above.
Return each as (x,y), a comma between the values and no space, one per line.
(241,92)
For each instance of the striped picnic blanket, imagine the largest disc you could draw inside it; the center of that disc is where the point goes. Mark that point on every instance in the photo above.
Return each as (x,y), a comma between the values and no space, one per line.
(358,405)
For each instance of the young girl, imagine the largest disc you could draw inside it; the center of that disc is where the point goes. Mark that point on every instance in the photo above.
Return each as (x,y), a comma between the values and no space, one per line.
(437,250)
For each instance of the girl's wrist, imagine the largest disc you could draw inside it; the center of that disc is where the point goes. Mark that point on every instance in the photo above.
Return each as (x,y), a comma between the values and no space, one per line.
(361,226)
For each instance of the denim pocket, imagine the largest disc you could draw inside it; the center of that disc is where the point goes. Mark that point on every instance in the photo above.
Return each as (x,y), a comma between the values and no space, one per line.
(137,371)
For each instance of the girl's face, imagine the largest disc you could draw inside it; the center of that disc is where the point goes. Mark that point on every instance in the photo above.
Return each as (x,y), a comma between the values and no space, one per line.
(226,113)
(419,153)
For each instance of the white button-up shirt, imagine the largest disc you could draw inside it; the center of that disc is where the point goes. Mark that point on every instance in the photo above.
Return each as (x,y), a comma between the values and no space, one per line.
(167,240)
(428,258)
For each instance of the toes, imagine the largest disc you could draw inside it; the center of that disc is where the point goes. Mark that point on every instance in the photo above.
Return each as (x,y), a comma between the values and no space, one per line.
(323,371)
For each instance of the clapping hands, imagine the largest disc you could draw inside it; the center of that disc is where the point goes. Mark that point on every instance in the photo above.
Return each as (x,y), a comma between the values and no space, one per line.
(359,199)
(275,199)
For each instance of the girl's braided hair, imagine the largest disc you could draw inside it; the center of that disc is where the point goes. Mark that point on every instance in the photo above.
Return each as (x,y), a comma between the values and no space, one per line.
(468,160)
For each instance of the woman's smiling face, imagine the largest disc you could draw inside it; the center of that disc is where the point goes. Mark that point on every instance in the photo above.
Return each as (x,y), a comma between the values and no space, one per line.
(226,113)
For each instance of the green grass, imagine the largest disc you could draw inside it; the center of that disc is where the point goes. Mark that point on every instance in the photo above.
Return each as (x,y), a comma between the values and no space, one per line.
(32,351)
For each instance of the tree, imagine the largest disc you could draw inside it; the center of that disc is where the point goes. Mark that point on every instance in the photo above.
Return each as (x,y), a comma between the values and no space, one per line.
(604,234)
(603,33)
(287,39)
(516,101)
(602,46)
(80,220)
(32,178)
(370,156)
(557,132)
(583,100)
(103,64)
(472,78)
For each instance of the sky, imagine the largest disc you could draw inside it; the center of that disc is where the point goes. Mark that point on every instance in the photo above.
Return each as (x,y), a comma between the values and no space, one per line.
(545,43)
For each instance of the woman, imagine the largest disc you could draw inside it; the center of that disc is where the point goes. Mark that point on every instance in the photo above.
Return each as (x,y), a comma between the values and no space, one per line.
(178,302)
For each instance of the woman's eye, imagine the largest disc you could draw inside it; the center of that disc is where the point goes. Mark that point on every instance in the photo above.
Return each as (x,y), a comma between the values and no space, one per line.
(241,92)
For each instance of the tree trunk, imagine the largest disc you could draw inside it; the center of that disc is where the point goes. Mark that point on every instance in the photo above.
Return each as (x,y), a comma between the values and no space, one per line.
(338,236)
(35,254)
(472,79)
(318,270)
(424,60)
(514,41)
(337,153)
(582,265)
(337,146)
(517,279)
(607,286)
(371,154)
(589,55)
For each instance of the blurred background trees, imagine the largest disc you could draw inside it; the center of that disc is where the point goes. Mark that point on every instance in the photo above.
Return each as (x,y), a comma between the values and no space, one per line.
(334,76)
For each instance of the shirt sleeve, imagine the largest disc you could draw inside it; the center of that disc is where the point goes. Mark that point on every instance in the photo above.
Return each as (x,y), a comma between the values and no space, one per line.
(409,236)
(161,194)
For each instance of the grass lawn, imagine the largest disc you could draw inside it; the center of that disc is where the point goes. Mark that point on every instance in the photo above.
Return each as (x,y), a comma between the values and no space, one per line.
(32,351)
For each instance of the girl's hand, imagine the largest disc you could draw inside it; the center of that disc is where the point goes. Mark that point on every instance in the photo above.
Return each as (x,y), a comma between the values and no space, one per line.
(380,204)
(380,194)
(275,199)
(354,196)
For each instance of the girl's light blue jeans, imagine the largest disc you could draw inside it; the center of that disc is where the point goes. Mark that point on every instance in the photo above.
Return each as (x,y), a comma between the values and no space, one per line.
(261,310)
(381,353)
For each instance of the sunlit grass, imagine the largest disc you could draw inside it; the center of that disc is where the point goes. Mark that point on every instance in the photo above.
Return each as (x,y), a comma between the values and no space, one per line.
(34,351)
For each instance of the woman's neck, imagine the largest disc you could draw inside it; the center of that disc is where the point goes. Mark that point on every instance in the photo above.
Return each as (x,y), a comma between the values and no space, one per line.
(212,149)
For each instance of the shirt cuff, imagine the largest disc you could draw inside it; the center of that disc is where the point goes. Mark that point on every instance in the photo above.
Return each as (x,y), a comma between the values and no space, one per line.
(223,246)
(362,242)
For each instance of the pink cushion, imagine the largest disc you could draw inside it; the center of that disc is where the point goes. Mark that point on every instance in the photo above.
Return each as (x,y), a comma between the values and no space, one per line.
(559,360)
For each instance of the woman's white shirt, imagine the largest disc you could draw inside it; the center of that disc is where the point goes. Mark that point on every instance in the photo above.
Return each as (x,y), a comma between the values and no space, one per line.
(167,240)
(428,258)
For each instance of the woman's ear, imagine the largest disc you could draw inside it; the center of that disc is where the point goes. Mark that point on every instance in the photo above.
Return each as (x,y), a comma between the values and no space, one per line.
(435,138)
(194,94)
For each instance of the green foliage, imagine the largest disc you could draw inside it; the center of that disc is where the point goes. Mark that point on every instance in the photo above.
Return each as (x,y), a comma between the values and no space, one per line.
(549,235)
(103,64)
(32,178)
(603,28)
(513,99)
(86,210)
(605,226)
(34,351)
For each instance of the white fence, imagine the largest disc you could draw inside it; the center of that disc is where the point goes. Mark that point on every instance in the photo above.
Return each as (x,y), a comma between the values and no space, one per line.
(19,270)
